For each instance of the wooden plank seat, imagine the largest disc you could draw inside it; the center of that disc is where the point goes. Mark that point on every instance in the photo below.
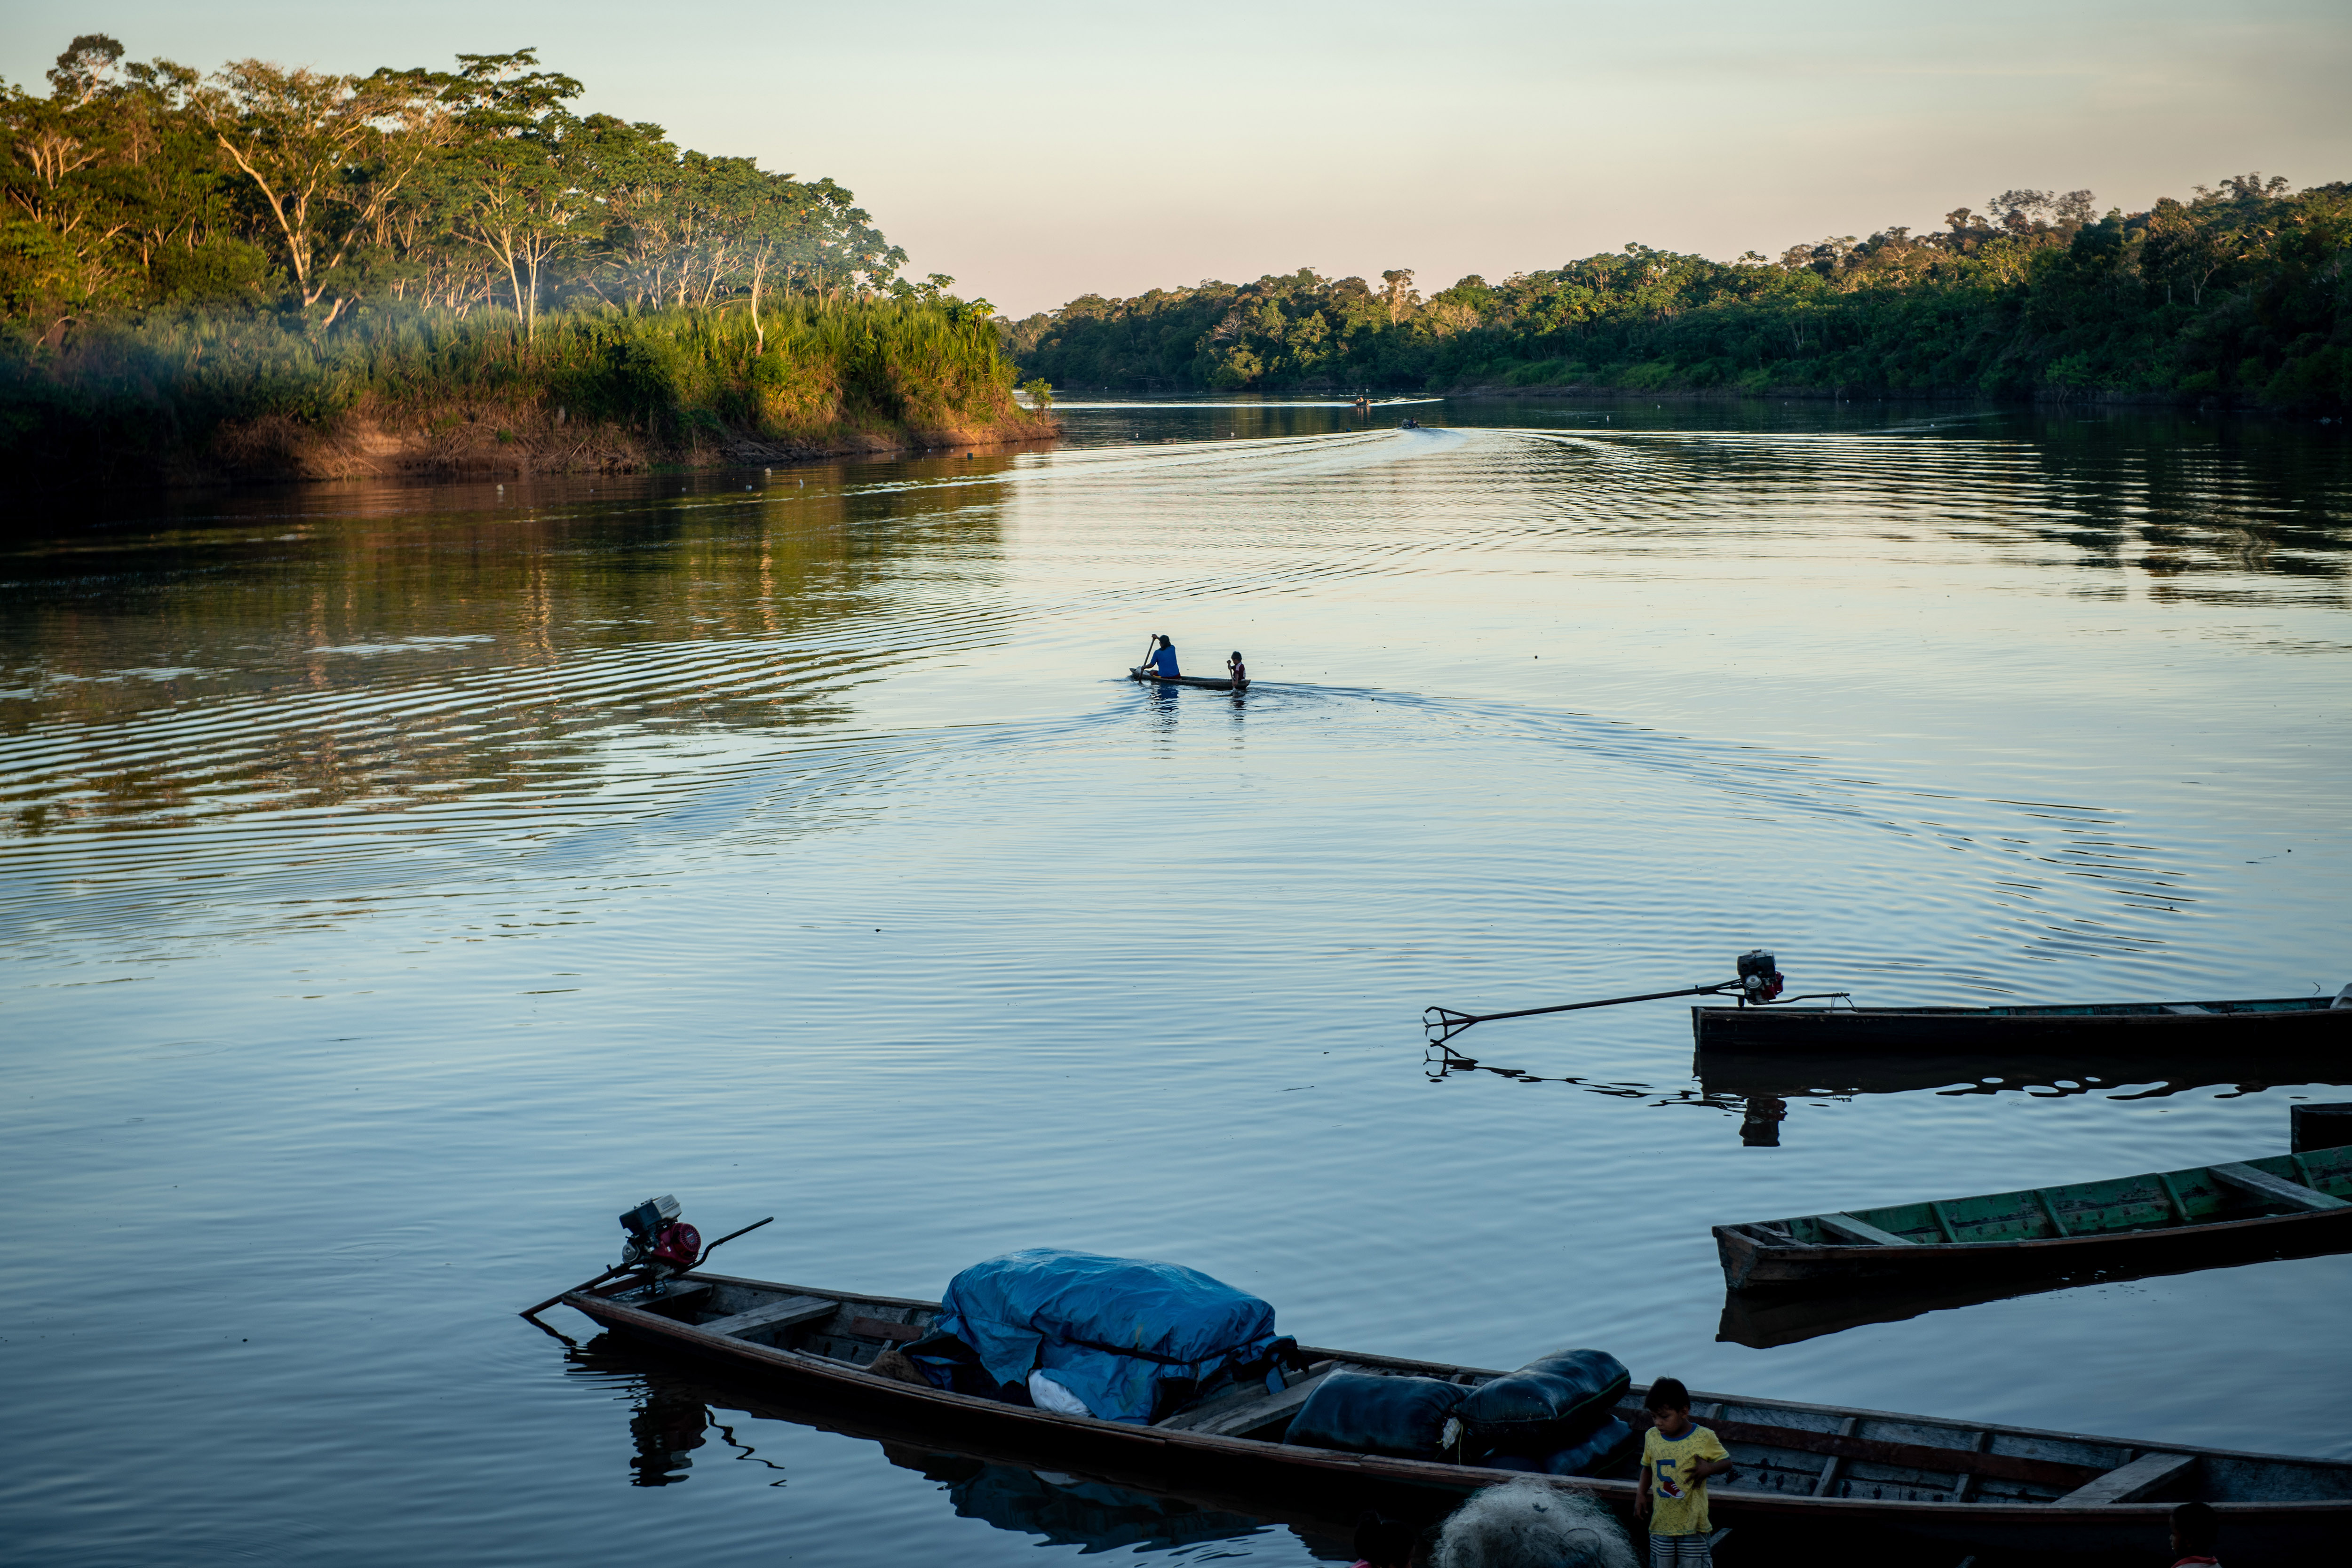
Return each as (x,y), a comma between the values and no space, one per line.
(1239,1418)
(2130,1483)
(1863,1231)
(883,1328)
(2057,1475)
(774,1317)
(2278,1189)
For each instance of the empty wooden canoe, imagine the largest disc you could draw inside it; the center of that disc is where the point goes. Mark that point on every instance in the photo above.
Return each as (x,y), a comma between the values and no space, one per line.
(2277,1023)
(2165,1219)
(1812,1470)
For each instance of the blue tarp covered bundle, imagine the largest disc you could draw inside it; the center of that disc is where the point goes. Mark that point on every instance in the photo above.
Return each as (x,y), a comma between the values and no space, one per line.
(1110,1330)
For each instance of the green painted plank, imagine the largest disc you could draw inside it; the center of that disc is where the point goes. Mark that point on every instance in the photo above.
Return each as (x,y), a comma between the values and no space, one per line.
(1852,1229)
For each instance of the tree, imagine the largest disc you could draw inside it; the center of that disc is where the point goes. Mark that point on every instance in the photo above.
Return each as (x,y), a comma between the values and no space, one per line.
(326,154)
(1399,295)
(514,190)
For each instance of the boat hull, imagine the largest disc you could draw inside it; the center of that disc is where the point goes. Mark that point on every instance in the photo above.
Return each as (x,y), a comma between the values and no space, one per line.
(1749,1263)
(1205,682)
(1771,1312)
(1882,1486)
(2282,1024)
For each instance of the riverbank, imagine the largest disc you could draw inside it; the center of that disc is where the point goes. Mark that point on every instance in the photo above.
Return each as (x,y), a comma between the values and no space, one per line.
(198,398)
(457,442)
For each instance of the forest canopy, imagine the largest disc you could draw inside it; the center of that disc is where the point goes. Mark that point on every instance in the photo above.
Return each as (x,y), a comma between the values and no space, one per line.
(136,184)
(265,269)
(2238,291)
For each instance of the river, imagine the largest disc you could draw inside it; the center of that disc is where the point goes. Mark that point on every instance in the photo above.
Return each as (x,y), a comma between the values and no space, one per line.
(398,881)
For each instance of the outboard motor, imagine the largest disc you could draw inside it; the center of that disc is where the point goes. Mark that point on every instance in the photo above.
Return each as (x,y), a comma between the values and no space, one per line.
(1759,977)
(658,1241)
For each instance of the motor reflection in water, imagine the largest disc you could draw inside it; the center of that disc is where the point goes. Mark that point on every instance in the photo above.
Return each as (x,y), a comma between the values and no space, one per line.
(1761,1087)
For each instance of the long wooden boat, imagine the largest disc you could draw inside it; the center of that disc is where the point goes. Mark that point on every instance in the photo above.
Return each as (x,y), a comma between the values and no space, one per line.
(1765,1316)
(2276,1023)
(1205,682)
(1818,1469)
(2202,1214)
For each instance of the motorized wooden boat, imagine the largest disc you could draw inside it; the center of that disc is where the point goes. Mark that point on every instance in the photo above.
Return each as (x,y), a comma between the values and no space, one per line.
(1820,1470)
(2278,1023)
(2204,1214)
(1205,682)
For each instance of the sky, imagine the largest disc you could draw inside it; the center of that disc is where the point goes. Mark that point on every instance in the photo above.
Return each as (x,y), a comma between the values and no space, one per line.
(1038,150)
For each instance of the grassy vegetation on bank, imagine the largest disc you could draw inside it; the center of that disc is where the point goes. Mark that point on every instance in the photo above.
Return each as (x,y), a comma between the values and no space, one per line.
(198,392)
(2238,295)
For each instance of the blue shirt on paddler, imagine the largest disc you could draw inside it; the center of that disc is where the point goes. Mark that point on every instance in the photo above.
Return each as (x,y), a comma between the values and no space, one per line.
(1163,662)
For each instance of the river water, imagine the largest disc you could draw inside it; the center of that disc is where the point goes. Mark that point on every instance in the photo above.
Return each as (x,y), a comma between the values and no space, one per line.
(396,882)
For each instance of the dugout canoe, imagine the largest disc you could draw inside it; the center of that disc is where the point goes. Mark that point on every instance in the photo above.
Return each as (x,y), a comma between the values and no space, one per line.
(2263,1024)
(1820,1470)
(2192,1217)
(1205,682)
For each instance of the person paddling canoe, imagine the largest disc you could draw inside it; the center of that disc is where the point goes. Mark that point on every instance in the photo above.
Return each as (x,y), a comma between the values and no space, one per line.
(1236,671)
(1162,660)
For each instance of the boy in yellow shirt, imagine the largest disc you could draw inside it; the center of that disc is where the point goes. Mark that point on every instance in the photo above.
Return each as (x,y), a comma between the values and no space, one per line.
(1676,1459)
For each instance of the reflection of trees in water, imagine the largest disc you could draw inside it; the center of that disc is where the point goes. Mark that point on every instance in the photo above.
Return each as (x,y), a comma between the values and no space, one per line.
(380,657)
(2183,501)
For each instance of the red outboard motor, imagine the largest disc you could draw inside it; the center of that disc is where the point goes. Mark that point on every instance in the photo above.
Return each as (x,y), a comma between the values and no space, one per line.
(660,1241)
(1759,977)
(679,1246)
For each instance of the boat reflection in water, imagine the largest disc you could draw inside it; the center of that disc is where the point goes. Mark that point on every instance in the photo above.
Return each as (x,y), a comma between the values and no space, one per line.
(675,1416)
(1067,1511)
(1763,1085)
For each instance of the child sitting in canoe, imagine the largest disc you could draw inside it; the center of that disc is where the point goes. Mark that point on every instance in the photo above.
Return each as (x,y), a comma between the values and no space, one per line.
(1678,1457)
(1237,671)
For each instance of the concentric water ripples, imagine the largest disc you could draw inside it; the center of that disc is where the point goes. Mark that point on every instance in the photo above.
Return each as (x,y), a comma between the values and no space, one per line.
(389,748)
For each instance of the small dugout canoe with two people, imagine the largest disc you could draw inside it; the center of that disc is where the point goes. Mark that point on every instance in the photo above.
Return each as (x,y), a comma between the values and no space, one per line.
(1817,1473)
(1205,682)
(1159,668)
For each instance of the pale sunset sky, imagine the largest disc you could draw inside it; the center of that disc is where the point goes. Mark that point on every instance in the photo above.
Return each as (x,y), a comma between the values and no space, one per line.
(1041,149)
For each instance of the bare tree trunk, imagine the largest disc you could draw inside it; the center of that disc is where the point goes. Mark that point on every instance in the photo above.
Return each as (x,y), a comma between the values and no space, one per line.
(758,267)
(514,279)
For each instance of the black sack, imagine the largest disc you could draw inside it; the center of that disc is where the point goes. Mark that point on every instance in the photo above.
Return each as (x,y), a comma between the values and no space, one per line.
(1606,1445)
(1552,1402)
(1358,1413)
